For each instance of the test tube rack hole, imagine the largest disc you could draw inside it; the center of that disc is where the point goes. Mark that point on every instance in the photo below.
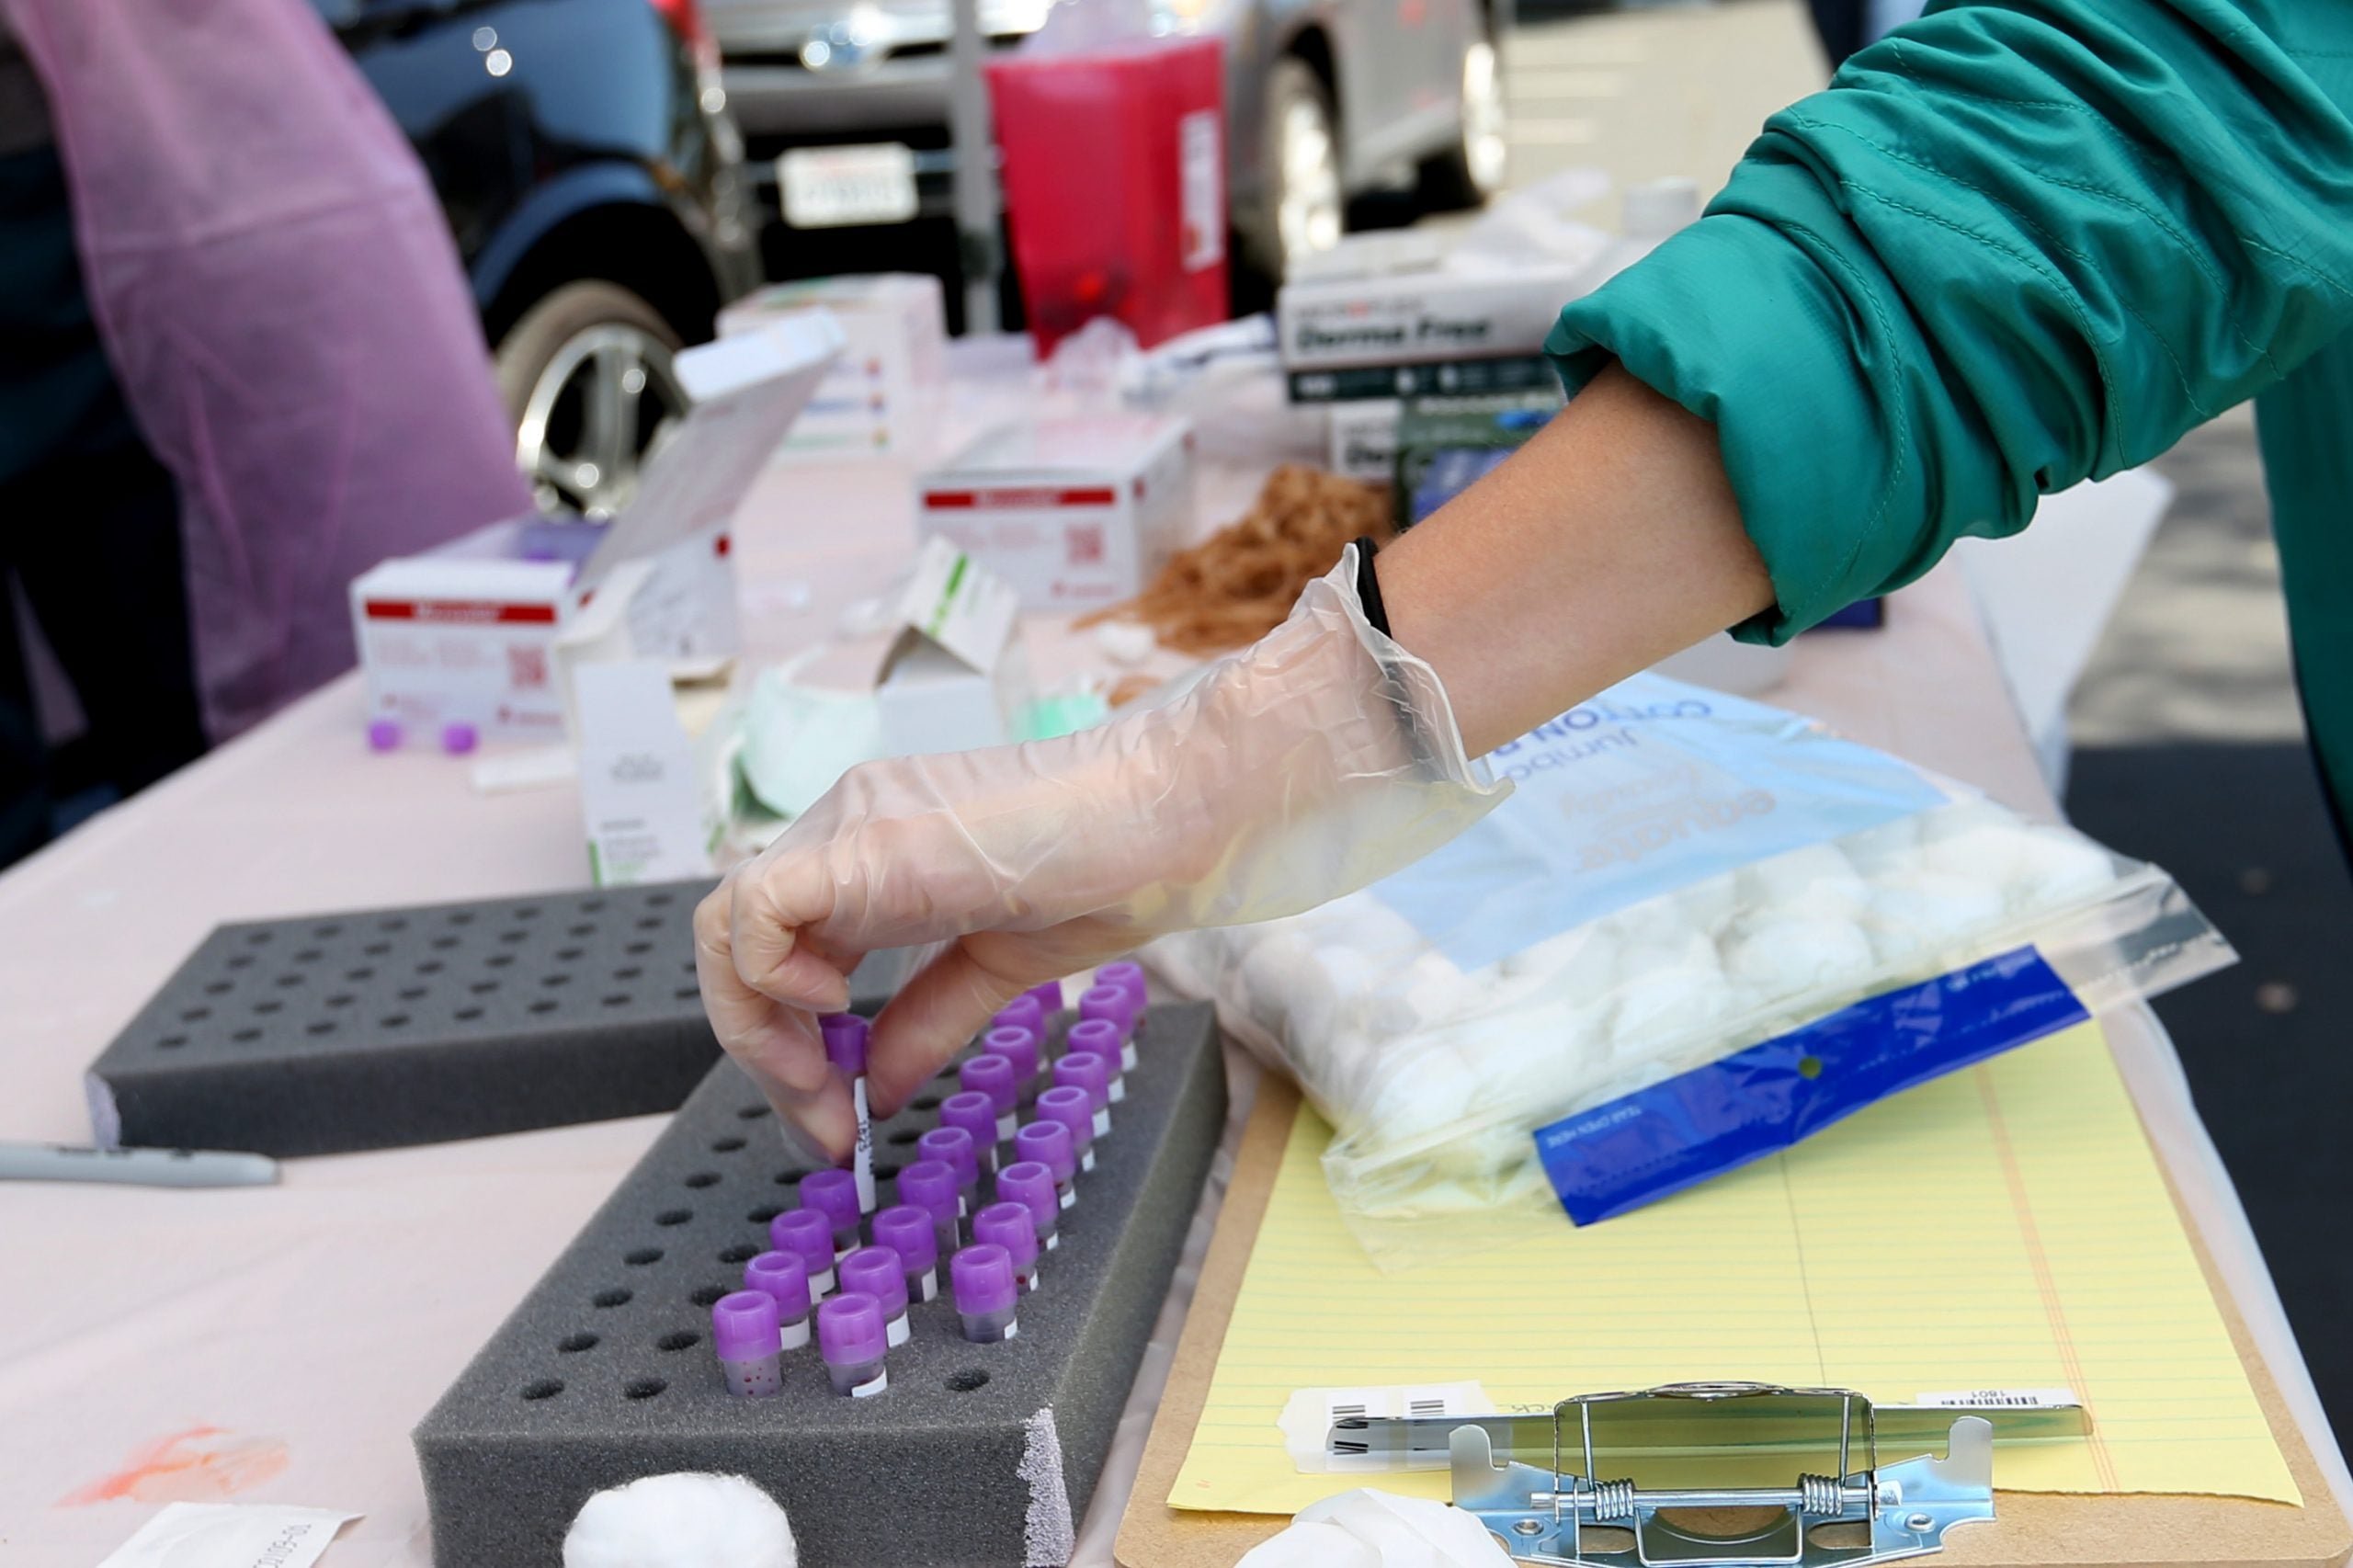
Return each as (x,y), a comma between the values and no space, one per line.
(328,1034)
(941,1470)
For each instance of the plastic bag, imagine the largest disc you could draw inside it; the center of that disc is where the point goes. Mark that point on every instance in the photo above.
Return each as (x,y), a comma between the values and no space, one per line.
(1679,875)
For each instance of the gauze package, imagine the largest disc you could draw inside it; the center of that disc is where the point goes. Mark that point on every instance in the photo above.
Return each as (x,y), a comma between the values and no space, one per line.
(1699,929)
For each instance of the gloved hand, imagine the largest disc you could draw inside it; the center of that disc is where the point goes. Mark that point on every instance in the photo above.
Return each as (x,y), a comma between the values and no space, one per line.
(1307,765)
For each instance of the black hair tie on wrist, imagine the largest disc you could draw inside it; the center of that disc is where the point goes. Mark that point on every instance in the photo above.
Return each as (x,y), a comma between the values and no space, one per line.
(1369,586)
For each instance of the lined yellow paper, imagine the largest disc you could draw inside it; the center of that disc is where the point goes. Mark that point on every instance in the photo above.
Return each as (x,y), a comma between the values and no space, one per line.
(2005,1227)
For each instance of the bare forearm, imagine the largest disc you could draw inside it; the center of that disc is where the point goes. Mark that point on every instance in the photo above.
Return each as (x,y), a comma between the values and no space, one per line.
(1609,541)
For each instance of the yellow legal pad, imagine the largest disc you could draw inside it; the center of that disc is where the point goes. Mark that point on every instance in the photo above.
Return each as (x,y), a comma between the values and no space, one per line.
(2005,1227)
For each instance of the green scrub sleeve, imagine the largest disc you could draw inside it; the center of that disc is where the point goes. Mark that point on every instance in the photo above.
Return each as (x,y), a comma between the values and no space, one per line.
(2012,247)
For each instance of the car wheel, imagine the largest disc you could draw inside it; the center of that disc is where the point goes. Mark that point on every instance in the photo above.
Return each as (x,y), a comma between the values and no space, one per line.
(586,375)
(1472,170)
(1300,208)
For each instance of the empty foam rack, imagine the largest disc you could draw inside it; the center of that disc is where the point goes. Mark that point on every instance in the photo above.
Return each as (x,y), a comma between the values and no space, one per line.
(976,1455)
(379,1029)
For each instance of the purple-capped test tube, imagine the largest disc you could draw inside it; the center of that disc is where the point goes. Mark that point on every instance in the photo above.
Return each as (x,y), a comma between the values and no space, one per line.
(1049,999)
(930,1185)
(743,1333)
(982,1279)
(993,1076)
(845,1035)
(907,1230)
(783,1277)
(1103,1038)
(834,1194)
(1068,1105)
(1030,1182)
(1099,1037)
(810,1235)
(1024,1011)
(952,1146)
(1085,1070)
(1113,1004)
(1010,1225)
(1048,1142)
(976,1114)
(875,1271)
(1128,975)
(852,1340)
(1018,1043)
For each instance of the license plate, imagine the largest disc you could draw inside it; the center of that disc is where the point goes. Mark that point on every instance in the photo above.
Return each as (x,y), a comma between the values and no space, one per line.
(827,188)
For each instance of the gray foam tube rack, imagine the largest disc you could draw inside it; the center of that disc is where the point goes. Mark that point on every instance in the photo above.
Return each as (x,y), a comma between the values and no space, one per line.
(976,1456)
(382,1028)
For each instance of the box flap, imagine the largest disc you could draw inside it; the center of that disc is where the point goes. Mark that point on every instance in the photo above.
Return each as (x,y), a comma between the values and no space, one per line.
(956,604)
(747,392)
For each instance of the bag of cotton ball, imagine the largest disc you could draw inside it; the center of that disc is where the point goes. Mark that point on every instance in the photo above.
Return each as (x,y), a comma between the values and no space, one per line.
(1698,929)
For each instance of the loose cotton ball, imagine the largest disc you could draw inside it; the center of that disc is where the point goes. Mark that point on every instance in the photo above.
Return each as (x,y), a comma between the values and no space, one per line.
(684,1520)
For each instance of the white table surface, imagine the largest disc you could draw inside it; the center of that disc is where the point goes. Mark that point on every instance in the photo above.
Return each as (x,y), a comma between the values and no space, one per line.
(291,1336)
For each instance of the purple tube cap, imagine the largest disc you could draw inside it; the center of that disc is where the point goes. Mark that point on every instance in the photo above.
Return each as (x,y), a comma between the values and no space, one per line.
(929,1185)
(909,1232)
(974,1112)
(1110,1003)
(1030,1182)
(845,1035)
(1025,1011)
(832,1193)
(1069,1106)
(1085,1070)
(1128,975)
(849,1329)
(952,1146)
(383,734)
(744,1325)
(783,1277)
(1011,1226)
(1047,1142)
(460,738)
(877,1272)
(806,1232)
(1018,1043)
(1094,1036)
(981,1278)
(1048,995)
(990,1075)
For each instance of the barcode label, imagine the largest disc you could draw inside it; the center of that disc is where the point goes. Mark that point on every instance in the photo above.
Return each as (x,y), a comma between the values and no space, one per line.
(1998,1399)
(1309,1414)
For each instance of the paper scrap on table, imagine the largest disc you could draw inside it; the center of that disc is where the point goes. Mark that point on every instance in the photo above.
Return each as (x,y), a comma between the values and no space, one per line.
(2003,1227)
(230,1535)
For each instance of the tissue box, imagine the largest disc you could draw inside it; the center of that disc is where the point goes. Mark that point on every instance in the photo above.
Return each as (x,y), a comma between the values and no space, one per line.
(1073,512)
(883,395)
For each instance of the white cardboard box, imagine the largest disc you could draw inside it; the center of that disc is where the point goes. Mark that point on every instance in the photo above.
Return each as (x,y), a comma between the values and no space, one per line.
(647,816)
(883,395)
(1404,322)
(952,675)
(1364,439)
(451,639)
(1074,513)
(469,634)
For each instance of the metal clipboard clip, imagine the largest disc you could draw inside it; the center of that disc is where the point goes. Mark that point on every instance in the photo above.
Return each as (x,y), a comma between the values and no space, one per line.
(1729,1475)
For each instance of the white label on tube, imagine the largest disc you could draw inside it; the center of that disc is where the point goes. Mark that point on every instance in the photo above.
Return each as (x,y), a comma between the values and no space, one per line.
(895,1332)
(863,1166)
(821,1284)
(1087,1160)
(1004,1127)
(1070,1198)
(1119,1090)
(1102,1122)
(796,1335)
(1052,1242)
(1011,1329)
(927,1287)
(1128,1054)
(875,1386)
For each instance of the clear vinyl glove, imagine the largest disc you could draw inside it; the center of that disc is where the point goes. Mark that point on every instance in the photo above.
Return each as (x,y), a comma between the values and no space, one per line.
(1316,761)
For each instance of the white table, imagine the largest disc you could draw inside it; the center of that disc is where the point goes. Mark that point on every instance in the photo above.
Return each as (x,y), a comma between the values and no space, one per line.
(310,1324)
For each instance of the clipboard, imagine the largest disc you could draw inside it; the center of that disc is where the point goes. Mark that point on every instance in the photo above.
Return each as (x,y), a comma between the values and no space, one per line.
(2031,1530)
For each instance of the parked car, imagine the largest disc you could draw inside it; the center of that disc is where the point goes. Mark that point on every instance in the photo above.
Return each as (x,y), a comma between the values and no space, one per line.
(1326,100)
(582,154)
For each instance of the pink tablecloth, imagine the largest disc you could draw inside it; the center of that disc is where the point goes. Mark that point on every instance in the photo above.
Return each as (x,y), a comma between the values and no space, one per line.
(279,1343)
